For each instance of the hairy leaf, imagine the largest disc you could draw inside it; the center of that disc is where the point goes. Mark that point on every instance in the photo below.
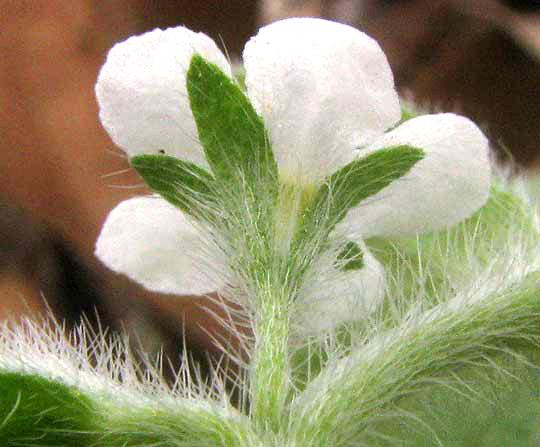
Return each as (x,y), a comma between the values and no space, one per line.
(232,134)
(38,412)
(183,184)
(357,181)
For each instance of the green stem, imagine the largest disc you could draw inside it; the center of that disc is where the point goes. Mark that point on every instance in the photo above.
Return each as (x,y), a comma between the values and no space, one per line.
(270,381)
(275,276)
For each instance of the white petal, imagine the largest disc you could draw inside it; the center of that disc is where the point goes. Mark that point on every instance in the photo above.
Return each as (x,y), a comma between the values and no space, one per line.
(447,186)
(334,296)
(322,89)
(154,243)
(142,95)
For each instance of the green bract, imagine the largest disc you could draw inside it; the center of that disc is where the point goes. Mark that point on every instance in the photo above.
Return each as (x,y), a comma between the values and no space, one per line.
(232,134)
(183,184)
(357,181)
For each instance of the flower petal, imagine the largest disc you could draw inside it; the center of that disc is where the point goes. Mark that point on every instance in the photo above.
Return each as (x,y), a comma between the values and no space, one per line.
(322,88)
(154,244)
(334,296)
(142,96)
(448,185)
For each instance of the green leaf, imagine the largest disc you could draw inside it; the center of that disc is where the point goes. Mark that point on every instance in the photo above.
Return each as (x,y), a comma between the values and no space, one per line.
(38,412)
(232,134)
(357,181)
(183,184)
(351,257)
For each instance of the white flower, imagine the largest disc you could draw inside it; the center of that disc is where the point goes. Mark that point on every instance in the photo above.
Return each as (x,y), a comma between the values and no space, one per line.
(326,95)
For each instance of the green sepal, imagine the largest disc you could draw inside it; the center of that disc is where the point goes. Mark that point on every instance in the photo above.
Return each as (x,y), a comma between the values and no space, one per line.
(357,181)
(350,257)
(38,412)
(181,183)
(235,141)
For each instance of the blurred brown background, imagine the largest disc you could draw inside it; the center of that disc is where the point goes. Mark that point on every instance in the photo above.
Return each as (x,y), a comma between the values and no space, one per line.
(480,58)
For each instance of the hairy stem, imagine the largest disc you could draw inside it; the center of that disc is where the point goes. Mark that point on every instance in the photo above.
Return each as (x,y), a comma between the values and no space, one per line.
(343,402)
(270,381)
